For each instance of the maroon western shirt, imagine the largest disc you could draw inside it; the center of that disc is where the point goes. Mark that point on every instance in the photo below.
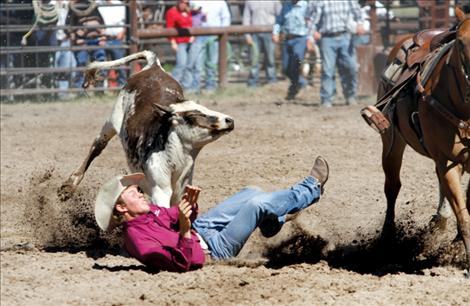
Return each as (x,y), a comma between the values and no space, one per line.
(154,240)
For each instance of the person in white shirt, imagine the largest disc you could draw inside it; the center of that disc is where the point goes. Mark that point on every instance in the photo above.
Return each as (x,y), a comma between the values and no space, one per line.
(115,36)
(205,49)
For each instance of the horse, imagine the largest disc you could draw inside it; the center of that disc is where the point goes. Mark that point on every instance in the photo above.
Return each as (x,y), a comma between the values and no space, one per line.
(431,114)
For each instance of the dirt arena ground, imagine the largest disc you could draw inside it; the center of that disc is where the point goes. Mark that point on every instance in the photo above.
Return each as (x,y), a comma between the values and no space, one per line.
(53,254)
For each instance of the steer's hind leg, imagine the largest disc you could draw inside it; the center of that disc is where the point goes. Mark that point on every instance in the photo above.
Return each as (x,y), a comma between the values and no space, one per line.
(100,142)
(392,156)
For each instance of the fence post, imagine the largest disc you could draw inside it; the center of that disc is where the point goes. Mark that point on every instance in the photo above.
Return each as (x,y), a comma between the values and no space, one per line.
(223,39)
(133,32)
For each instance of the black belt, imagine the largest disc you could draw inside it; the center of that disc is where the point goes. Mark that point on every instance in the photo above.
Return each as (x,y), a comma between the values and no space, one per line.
(334,34)
(292,36)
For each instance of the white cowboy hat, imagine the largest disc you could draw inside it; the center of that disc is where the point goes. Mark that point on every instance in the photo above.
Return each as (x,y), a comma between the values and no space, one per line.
(108,195)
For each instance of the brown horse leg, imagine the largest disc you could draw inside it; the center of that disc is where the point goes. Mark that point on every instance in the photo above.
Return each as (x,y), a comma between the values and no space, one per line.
(443,213)
(450,178)
(392,156)
(68,187)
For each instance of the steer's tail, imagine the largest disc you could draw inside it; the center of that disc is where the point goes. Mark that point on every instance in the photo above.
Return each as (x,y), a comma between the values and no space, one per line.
(91,73)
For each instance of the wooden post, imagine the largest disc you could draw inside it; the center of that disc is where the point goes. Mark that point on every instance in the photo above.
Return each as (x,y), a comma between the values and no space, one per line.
(223,39)
(133,32)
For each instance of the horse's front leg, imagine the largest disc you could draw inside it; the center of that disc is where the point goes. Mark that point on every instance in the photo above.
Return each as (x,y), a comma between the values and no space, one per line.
(443,213)
(450,175)
(392,156)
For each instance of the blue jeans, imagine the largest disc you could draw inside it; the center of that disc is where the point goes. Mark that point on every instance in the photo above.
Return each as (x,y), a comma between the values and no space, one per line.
(195,62)
(181,72)
(227,226)
(204,55)
(336,51)
(211,62)
(65,59)
(293,51)
(117,54)
(82,58)
(262,42)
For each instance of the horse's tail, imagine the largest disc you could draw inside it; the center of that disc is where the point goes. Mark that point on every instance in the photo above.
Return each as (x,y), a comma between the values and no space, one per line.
(91,73)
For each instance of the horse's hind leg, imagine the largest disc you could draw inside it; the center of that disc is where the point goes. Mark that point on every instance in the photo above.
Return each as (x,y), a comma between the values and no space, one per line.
(392,156)
(100,142)
(450,175)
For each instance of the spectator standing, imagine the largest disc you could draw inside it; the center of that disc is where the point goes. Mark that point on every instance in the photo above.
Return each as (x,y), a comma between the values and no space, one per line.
(195,65)
(85,13)
(64,58)
(114,16)
(205,54)
(45,15)
(292,24)
(329,22)
(179,17)
(261,13)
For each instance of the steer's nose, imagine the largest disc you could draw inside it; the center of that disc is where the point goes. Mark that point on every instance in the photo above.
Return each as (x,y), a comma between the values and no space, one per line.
(230,123)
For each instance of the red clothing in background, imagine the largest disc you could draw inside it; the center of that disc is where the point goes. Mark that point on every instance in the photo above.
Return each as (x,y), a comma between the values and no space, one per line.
(178,20)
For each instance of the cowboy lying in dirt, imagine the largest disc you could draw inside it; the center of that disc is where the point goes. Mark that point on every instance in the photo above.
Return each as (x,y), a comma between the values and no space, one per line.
(176,239)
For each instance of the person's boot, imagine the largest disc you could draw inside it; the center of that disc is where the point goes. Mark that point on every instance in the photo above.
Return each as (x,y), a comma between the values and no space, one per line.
(320,171)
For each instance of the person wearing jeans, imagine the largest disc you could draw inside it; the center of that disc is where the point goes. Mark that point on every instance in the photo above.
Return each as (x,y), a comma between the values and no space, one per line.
(65,59)
(262,42)
(114,14)
(261,13)
(291,23)
(204,56)
(176,239)
(179,17)
(335,51)
(329,23)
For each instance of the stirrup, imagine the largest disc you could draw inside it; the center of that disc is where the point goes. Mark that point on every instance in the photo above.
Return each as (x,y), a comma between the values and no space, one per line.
(375,119)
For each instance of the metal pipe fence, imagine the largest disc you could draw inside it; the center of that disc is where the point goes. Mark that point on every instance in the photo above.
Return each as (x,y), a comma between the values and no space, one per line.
(23,74)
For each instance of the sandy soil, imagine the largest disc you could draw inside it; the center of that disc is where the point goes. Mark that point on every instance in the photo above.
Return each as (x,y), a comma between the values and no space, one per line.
(53,254)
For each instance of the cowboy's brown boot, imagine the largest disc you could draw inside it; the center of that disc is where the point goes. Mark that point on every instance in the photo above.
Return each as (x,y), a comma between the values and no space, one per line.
(320,171)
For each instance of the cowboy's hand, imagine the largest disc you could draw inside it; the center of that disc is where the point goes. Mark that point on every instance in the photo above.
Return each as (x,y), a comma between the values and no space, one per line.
(192,194)
(185,210)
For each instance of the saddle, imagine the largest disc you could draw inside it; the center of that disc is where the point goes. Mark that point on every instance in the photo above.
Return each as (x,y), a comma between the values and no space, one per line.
(404,67)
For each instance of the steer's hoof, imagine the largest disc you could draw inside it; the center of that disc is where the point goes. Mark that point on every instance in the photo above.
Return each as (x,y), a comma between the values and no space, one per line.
(65,191)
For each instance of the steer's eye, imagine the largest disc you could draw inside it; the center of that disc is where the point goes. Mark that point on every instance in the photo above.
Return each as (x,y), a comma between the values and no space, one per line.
(139,189)
(192,117)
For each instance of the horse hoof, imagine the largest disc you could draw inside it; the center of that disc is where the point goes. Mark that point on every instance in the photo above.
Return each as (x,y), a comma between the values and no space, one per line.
(437,223)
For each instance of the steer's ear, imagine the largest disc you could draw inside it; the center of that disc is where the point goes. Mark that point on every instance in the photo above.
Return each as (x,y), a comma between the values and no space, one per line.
(162,110)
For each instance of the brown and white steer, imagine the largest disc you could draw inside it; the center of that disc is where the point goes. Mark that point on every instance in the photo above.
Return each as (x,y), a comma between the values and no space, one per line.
(160,131)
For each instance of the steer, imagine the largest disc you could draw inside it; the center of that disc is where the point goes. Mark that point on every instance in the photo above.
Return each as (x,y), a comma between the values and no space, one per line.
(160,131)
